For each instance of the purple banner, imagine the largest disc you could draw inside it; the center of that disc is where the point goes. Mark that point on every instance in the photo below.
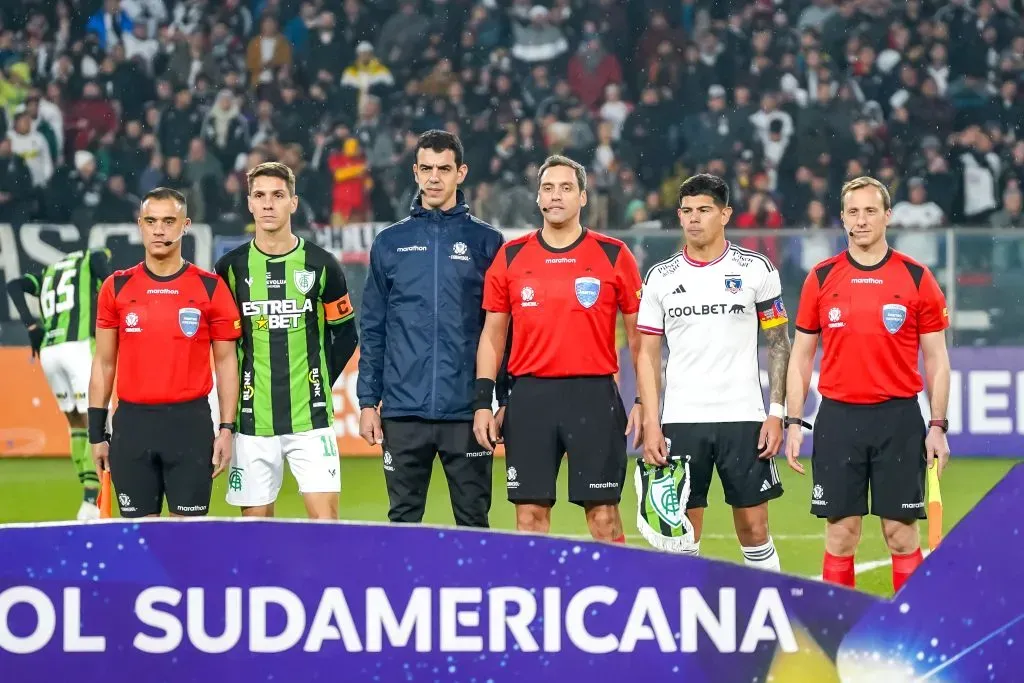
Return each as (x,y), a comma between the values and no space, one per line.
(986,402)
(209,600)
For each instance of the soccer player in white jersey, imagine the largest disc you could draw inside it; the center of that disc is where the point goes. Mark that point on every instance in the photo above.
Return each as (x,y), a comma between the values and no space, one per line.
(708,301)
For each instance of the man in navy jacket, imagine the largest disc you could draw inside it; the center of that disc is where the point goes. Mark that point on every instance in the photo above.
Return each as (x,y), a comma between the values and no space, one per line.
(421,321)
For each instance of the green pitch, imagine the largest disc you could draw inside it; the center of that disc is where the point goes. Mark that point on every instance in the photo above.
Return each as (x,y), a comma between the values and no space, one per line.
(47,490)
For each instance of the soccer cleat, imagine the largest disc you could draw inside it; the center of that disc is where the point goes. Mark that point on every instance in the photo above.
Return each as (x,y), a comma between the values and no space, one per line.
(87,512)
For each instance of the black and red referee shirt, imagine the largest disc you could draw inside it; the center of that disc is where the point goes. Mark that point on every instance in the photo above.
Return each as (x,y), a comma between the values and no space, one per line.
(165,326)
(870,319)
(564,302)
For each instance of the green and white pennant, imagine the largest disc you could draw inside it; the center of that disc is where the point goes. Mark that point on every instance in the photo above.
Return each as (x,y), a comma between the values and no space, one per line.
(662,492)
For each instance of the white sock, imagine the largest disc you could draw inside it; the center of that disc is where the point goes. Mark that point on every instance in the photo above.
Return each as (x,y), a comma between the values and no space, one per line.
(762,556)
(694,551)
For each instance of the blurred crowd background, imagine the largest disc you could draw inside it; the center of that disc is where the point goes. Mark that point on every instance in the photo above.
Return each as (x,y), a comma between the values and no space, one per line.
(102,100)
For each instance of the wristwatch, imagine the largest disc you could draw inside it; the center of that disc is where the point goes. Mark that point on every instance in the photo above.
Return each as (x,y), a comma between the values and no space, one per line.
(789,421)
(230,426)
(942,424)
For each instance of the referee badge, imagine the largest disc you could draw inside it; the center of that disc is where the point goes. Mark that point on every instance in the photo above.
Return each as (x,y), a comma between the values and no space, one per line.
(188,321)
(588,289)
(893,317)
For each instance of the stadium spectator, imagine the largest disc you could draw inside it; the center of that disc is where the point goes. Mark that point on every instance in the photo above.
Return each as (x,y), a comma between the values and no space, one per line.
(267,53)
(415,390)
(875,309)
(878,82)
(163,438)
(561,288)
(918,215)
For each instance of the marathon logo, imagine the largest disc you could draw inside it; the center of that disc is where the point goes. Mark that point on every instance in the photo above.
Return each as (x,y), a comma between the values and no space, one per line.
(415,247)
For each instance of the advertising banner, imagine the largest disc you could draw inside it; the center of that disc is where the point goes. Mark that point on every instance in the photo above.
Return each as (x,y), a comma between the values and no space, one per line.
(986,405)
(377,603)
(29,248)
(986,401)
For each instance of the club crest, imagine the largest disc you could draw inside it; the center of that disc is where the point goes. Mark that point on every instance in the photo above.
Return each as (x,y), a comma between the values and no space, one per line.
(304,280)
(665,501)
(733,284)
(188,321)
(587,290)
(893,317)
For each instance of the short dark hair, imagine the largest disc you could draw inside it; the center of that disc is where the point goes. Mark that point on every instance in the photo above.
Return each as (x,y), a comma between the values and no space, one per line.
(440,141)
(166,193)
(706,184)
(271,169)
(560,160)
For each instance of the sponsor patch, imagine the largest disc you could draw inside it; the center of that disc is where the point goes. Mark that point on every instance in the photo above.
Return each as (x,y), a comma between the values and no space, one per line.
(588,289)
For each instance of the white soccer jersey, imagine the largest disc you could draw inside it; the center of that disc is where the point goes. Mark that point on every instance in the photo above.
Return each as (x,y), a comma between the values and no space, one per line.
(709,314)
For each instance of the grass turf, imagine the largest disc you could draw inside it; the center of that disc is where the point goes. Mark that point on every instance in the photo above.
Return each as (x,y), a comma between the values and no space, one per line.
(47,489)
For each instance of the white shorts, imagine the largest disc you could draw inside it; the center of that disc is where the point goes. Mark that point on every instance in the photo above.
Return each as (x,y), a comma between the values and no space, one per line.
(67,367)
(257,465)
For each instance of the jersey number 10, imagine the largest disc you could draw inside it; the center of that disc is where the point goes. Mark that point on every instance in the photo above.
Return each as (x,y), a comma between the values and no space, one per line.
(59,300)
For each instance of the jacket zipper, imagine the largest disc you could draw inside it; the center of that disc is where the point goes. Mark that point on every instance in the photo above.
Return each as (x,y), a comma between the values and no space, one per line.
(433,385)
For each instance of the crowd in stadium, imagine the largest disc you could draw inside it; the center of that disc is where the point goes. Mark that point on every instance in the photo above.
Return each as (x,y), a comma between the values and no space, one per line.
(102,100)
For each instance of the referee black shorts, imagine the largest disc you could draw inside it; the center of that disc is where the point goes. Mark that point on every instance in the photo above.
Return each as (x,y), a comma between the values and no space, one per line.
(162,450)
(877,447)
(581,417)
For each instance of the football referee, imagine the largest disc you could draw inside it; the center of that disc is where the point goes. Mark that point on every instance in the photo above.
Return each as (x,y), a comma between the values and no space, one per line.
(562,287)
(874,309)
(420,324)
(155,324)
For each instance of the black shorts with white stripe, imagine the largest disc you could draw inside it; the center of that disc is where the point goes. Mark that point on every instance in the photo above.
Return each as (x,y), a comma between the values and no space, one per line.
(731,447)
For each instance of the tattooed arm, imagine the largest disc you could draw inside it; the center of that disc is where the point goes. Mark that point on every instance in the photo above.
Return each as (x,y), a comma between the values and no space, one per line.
(778,360)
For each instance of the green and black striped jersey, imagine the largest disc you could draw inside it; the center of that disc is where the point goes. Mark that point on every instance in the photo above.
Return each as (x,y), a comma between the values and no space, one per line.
(67,292)
(287,302)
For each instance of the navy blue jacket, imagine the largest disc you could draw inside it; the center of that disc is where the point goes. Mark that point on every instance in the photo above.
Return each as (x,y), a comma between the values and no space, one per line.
(422,313)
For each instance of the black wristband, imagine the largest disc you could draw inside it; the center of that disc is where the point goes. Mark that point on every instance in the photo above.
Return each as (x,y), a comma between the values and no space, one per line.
(483,393)
(230,426)
(97,425)
(790,421)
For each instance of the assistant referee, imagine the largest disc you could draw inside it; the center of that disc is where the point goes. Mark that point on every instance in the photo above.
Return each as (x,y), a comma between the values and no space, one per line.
(562,287)
(874,309)
(155,324)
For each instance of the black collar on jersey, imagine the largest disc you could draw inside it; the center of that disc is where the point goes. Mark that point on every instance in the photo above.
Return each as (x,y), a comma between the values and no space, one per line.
(166,278)
(860,266)
(561,250)
(298,243)
(417,208)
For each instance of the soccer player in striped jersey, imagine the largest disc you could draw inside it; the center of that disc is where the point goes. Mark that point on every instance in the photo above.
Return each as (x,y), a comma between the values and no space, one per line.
(708,302)
(63,340)
(298,333)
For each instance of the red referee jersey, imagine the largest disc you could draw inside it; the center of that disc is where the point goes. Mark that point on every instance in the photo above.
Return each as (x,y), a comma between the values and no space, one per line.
(165,326)
(563,302)
(870,319)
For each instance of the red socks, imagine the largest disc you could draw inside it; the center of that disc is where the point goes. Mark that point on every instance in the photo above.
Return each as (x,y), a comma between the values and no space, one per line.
(839,570)
(903,566)
(620,539)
